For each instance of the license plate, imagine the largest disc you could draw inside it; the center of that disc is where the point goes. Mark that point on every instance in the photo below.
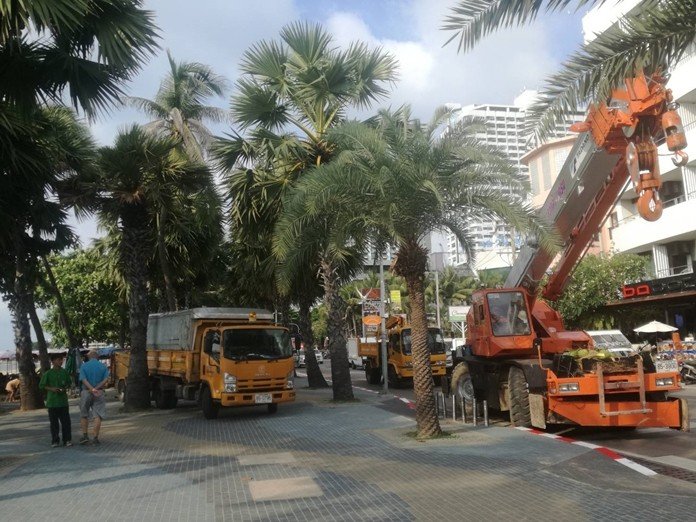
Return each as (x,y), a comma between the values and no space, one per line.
(666,366)
(263,398)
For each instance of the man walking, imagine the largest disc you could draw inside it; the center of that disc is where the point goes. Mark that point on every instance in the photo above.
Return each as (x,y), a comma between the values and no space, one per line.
(93,376)
(56,381)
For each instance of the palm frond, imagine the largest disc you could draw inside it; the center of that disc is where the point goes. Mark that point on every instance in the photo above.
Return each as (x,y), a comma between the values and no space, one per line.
(651,40)
(472,20)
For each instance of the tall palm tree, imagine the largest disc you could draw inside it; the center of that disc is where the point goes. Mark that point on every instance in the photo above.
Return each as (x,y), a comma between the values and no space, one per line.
(652,37)
(399,182)
(179,108)
(180,111)
(32,221)
(82,50)
(292,92)
(135,178)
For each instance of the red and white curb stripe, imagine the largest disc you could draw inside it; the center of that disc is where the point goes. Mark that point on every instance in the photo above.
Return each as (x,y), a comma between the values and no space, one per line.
(411,405)
(601,449)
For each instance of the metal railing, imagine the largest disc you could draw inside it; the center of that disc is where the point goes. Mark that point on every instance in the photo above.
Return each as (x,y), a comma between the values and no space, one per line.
(674,270)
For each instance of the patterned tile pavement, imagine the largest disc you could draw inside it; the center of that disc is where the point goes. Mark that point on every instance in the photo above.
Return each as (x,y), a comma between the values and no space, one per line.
(315,460)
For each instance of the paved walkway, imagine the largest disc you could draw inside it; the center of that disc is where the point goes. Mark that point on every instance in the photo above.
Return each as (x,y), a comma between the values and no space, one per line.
(314,460)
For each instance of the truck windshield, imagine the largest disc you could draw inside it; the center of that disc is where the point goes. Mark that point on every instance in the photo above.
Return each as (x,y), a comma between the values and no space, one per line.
(436,343)
(256,343)
(508,313)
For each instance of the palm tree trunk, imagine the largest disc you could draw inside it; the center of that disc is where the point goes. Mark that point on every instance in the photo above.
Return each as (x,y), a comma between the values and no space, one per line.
(411,263)
(40,337)
(314,376)
(62,312)
(340,371)
(164,262)
(134,255)
(19,305)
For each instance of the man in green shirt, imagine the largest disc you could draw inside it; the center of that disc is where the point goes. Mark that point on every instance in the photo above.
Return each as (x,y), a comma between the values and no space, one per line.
(56,382)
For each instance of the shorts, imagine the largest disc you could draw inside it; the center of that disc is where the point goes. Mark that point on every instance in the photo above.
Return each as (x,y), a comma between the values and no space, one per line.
(89,402)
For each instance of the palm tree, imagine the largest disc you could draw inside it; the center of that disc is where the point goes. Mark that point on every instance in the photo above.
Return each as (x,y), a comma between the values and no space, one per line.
(88,48)
(399,182)
(652,37)
(292,92)
(180,111)
(135,178)
(179,108)
(32,221)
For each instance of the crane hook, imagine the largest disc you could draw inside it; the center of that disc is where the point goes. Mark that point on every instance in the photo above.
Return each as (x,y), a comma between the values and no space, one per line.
(649,205)
(680,158)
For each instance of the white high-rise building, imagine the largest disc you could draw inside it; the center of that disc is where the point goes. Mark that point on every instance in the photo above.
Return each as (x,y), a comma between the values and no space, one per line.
(505,129)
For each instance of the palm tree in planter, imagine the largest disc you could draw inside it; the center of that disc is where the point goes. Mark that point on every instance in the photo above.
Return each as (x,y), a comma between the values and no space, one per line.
(401,180)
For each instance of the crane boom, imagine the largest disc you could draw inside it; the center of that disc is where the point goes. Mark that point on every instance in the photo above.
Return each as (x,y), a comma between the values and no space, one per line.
(617,142)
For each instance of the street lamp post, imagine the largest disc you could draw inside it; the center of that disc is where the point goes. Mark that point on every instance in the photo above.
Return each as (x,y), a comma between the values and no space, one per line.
(437,299)
(383,329)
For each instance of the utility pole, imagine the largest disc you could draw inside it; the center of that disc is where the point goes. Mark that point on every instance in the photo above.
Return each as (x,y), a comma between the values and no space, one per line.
(437,298)
(383,328)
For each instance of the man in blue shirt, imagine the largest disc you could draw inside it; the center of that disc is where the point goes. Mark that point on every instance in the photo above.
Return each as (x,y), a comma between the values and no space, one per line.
(93,376)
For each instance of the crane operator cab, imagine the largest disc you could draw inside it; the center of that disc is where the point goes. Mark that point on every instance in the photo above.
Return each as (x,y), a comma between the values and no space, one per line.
(509,315)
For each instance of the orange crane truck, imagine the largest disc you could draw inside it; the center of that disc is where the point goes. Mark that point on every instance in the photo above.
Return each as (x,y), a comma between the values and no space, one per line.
(399,358)
(519,356)
(221,357)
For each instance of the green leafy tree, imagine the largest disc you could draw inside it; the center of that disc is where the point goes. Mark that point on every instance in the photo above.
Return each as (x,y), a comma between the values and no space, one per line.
(397,183)
(81,50)
(292,92)
(596,281)
(96,305)
(652,37)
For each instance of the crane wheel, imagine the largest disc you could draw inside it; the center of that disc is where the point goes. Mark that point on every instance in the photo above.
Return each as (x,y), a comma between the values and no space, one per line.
(461,382)
(520,415)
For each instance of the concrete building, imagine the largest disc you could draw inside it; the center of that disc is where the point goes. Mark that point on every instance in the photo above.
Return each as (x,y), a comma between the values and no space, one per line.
(505,129)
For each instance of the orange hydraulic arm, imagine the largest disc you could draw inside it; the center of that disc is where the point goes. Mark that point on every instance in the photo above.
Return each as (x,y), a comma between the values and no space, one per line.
(624,135)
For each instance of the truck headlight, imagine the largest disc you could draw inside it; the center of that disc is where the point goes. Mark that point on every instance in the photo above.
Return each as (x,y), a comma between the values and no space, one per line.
(568,387)
(290,381)
(408,365)
(666,381)
(230,383)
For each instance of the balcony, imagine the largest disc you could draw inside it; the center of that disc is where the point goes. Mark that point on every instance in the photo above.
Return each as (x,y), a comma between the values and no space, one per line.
(635,235)
(674,270)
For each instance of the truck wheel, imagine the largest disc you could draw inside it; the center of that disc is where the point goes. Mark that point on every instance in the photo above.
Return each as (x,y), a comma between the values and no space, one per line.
(172,400)
(273,408)
(461,382)
(394,379)
(208,405)
(519,398)
(373,375)
(121,389)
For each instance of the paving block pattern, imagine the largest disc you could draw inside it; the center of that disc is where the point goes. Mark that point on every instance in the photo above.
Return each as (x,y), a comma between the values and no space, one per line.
(314,460)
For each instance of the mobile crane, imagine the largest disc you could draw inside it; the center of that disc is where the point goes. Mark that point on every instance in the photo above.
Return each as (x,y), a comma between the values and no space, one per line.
(519,356)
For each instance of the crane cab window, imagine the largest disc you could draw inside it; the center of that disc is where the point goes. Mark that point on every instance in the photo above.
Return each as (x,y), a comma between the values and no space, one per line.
(508,313)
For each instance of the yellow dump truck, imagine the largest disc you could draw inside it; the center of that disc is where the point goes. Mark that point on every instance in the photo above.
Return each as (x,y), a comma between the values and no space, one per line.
(221,357)
(399,359)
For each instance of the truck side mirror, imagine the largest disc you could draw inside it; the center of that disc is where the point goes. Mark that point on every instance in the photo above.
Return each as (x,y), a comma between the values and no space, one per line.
(211,343)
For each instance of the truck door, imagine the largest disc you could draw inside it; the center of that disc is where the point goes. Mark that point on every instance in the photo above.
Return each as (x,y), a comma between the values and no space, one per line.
(210,359)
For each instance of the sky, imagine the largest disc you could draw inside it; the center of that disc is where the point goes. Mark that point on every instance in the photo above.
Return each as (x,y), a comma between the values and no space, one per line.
(217,32)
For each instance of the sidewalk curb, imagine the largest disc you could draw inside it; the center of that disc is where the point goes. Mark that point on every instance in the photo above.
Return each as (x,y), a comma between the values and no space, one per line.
(601,449)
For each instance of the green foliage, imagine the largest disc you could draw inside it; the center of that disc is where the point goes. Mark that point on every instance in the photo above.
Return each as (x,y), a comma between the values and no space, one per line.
(596,281)
(94,301)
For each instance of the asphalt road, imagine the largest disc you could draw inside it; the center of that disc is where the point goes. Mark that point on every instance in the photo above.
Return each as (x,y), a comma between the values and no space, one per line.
(669,447)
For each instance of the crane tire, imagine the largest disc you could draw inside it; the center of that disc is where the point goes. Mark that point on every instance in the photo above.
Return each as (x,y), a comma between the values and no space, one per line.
(520,415)
(461,382)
